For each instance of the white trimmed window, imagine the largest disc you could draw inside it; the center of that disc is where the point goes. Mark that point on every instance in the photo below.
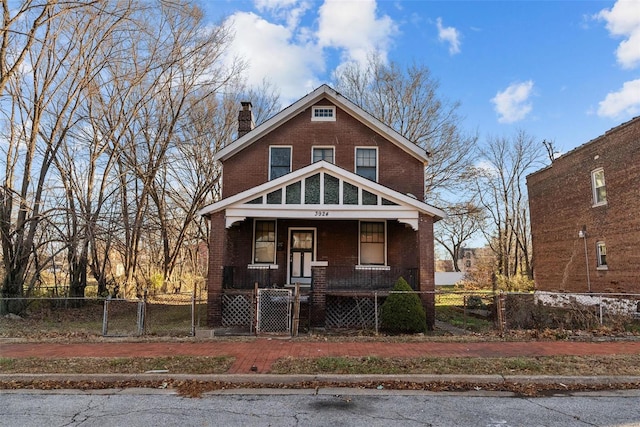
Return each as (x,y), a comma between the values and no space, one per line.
(599,187)
(264,242)
(279,161)
(601,254)
(367,163)
(372,243)
(322,153)
(323,114)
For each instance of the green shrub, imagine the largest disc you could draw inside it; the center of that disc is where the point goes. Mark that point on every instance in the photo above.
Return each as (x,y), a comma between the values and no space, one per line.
(403,312)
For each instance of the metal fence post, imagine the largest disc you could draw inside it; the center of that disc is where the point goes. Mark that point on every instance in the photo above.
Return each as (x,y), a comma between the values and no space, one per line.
(105,317)
(193,313)
(600,309)
(141,309)
(375,309)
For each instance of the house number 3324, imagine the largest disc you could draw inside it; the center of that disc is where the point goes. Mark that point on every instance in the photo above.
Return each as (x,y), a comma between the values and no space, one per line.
(322,213)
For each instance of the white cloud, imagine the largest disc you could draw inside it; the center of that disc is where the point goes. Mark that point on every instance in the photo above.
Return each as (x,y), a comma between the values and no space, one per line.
(449,35)
(626,101)
(273,53)
(512,103)
(623,20)
(353,27)
(291,11)
(290,48)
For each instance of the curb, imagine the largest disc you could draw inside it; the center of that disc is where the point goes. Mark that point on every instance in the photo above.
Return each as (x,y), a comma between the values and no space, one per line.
(273,379)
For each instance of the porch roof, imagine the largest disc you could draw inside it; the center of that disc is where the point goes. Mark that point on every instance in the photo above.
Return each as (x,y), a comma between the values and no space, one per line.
(334,193)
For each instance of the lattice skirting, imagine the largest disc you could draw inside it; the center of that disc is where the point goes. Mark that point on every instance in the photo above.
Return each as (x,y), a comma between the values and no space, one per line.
(237,310)
(351,312)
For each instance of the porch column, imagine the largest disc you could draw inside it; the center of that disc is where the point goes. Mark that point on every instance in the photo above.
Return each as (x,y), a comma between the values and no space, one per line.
(426,284)
(217,245)
(318,293)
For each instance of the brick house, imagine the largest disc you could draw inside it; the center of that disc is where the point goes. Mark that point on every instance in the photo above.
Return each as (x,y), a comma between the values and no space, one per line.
(323,195)
(585,219)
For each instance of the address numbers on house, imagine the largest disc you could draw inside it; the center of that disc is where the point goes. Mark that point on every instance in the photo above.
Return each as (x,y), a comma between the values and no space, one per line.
(321,213)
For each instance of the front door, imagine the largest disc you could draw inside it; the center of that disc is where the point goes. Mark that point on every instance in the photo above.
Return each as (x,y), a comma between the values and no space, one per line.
(301,253)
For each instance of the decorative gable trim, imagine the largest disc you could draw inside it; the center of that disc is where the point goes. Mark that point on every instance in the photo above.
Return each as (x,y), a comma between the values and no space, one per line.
(349,197)
(309,101)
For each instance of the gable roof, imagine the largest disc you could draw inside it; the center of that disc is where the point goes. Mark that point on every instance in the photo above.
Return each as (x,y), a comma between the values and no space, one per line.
(389,204)
(308,101)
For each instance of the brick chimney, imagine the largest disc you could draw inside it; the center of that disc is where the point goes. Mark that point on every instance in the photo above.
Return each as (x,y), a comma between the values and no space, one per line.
(245,119)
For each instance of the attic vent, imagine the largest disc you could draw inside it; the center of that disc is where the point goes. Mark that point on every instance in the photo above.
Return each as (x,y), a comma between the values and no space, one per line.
(323,114)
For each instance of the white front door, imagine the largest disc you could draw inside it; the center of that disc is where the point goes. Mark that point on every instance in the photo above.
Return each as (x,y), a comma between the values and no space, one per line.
(302,243)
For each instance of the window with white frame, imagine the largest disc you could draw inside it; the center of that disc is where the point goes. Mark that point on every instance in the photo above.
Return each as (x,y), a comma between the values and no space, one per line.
(322,153)
(264,248)
(279,161)
(367,163)
(323,114)
(372,243)
(599,188)
(601,253)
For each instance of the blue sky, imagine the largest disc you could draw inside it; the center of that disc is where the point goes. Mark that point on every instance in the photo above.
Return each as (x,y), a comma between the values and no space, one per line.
(565,71)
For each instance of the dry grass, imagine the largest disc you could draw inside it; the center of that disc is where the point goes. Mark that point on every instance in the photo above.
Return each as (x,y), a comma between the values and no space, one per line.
(548,365)
(120,365)
(552,365)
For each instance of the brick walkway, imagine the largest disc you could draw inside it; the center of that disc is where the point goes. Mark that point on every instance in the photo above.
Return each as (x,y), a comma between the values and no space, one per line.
(262,352)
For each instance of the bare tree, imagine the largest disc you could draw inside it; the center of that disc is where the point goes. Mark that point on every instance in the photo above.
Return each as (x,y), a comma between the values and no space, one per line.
(408,101)
(463,221)
(502,192)
(42,98)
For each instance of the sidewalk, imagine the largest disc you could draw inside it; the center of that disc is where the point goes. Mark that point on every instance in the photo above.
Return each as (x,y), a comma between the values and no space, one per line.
(257,355)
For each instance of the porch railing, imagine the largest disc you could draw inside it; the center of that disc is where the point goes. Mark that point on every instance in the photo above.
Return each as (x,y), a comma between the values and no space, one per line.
(350,278)
(339,278)
(241,277)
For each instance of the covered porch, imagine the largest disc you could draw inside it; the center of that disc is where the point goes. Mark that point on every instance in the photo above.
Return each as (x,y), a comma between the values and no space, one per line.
(323,228)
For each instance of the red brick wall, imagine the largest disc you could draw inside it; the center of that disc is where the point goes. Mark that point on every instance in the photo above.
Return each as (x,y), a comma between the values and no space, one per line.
(337,243)
(561,203)
(427,267)
(217,251)
(396,168)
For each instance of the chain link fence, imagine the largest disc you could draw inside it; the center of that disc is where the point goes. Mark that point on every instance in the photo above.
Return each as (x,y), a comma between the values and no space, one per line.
(174,315)
(161,315)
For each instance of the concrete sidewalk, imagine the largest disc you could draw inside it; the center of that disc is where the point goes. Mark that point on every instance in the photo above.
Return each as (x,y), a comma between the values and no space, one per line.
(257,355)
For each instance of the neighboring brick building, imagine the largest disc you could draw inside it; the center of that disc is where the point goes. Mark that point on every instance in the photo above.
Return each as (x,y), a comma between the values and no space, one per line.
(323,195)
(585,216)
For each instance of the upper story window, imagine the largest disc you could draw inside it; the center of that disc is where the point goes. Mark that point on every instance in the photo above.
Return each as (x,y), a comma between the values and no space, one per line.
(599,188)
(601,254)
(322,153)
(323,114)
(279,161)
(367,163)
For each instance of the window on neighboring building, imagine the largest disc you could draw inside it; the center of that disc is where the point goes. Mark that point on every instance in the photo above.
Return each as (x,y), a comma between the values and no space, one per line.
(599,188)
(367,163)
(372,243)
(264,242)
(279,161)
(322,153)
(601,253)
(323,114)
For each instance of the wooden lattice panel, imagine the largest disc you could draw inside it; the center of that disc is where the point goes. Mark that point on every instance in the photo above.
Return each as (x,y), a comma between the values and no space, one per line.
(237,310)
(351,312)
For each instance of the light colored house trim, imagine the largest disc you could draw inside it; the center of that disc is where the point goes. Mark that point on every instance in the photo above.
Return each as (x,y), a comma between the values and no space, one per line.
(406,209)
(310,100)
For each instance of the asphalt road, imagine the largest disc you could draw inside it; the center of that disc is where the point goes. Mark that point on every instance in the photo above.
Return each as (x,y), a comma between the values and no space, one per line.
(322,407)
